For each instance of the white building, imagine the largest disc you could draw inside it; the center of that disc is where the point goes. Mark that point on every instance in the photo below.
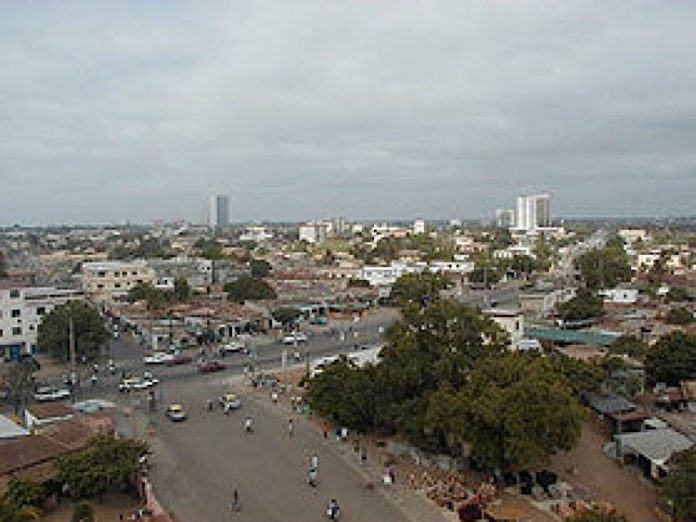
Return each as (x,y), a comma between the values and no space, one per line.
(21,311)
(108,281)
(533,212)
(511,321)
(315,232)
(257,234)
(621,296)
(505,218)
(419,226)
(219,211)
(631,235)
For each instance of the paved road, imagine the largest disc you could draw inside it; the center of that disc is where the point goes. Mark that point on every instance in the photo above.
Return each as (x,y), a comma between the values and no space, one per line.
(199,462)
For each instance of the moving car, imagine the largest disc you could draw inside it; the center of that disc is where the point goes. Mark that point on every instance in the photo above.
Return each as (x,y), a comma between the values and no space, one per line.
(175,412)
(295,337)
(51,393)
(137,383)
(179,359)
(230,401)
(211,366)
(158,358)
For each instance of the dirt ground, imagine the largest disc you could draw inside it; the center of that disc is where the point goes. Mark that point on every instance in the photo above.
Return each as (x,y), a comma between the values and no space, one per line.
(588,468)
(106,511)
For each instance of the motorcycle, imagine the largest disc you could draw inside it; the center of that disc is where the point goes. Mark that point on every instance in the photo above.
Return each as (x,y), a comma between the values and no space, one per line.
(333,512)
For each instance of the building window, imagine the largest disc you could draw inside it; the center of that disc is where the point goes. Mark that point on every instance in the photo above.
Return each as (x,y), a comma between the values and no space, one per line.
(14,293)
(41,310)
(16,330)
(100,286)
(135,272)
(16,312)
(32,327)
(117,285)
(0,332)
(101,274)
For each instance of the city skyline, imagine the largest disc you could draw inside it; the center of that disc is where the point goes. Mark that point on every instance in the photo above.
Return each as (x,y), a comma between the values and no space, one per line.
(118,112)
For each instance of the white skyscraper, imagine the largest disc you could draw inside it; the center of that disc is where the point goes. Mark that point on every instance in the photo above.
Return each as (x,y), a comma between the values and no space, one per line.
(533,212)
(219,211)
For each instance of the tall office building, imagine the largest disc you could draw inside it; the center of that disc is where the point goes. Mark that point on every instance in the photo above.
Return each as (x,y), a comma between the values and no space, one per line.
(219,211)
(533,212)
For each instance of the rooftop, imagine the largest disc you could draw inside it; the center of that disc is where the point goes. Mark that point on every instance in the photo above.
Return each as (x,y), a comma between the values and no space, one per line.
(655,445)
(48,410)
(10,430)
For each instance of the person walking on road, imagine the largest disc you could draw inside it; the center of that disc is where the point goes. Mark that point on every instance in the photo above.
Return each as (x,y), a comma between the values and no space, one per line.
(236,506)
(291,428)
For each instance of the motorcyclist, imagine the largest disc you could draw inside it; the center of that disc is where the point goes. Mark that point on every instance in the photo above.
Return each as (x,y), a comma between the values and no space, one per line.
(333,511)
(248,425)
(209,405)
(313,477)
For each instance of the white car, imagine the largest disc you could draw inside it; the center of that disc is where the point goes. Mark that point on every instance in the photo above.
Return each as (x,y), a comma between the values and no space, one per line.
(233,347)
(159,358)
(295,337)
(137,383)
(51,393)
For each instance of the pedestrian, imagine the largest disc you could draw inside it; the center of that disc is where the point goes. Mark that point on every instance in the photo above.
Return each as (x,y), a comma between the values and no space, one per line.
(235,500)
(392,474)
(291,428)
(363,456)
(344,433)
(314,461)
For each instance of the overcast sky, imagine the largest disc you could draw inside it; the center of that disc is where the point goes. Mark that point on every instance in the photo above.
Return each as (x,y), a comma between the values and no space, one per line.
(299,109)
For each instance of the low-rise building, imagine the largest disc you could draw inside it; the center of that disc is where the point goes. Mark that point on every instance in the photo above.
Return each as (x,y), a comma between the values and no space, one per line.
(22,308)
(109,281)
(651,450)
(511,321)
(620,296)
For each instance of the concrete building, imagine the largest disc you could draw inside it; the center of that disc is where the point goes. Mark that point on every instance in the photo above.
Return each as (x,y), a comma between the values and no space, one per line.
(533,212)
(315,232)
(419,226)
(110,281)
(505,218)
(21,311)
(219,211)
(511,321)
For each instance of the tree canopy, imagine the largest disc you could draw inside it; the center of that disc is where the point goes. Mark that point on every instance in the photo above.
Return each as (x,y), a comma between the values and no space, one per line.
(89,329)
(629,345)
(585,305)
(3,265)
(19,384)
(106,464)
(604,268)
(286,315)
(679,487)
(420,288)
(680,316)
(260,268)
(246,288)
(672,359)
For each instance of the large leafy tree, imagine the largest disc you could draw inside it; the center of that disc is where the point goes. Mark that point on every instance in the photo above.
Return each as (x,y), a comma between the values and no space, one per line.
(672,359)
(18,381)
(3,265)
(106,464)
(249,288)
(629,345)
(604,268)
(585,305)
(260,268)
(680,316)
(418,289)
(515,410)
(679,487)
(88,325)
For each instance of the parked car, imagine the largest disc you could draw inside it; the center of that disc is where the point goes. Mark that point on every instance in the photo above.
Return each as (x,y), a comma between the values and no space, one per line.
(211,366)
(179,359)
(175,413)
(230,401)
(137,383)
(158,358)
(233,347)
(51,393)
(295,337)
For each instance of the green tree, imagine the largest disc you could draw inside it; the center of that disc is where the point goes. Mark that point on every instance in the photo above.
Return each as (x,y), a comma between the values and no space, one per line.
(249,288)
(515,410)
(82,512)
(105,465)
(677,294)
(581,376)
(585,305)
(154,298)
(260,268)
(597,514)
(679,487)
(88,325)
(418,288)
(679,316)
(19,383)
(604,268)
(672,359)
(25,493)
(629,345)
(286,315)
(182,290)
(486,273)
(3,265)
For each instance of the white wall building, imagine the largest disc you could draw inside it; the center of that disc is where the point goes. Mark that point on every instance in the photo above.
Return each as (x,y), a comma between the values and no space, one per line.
(218,211)
(511,321)
(21,311)
(108,281)
(419,226)
(315,232)
(622,296)
(533,212)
